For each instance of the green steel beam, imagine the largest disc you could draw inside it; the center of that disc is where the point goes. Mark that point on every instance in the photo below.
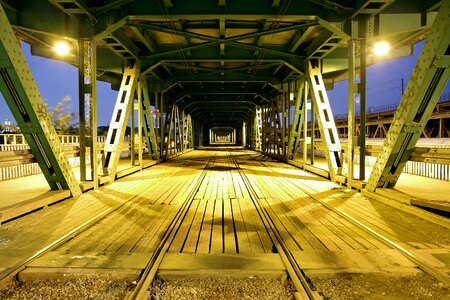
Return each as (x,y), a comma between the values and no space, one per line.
(109,6)
(147,117)
(30,112)
(145,39)
(429,77)
(297,122)
(333,6)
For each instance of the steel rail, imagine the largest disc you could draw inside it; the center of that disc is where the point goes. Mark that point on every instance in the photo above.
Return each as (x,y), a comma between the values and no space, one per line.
(11,271)
(141,289)
(304,291)
(422,264)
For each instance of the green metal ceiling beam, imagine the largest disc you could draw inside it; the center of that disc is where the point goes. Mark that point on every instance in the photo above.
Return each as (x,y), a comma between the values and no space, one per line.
(145,39)
(109,6)
(223,40)
(333,6)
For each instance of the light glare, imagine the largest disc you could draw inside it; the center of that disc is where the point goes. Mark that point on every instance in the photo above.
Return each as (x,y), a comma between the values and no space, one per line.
(61,48)
(381,48)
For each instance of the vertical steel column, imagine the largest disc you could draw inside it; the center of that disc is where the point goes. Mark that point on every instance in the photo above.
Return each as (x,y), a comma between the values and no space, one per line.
(351,109)
(169,124)
(82,108)
(132,133)
(87,76)
(29,110)
(306,107)
(362,36)
(257,132)
(244,134)
(429,77)
(161,122)
(312,145)
(140,113)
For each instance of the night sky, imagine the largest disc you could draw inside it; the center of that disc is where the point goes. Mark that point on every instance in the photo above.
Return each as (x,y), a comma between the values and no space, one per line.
(56,80)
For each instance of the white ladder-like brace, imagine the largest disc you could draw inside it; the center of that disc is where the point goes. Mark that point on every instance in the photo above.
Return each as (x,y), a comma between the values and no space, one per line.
(257,129)
(327,127)
(119,120)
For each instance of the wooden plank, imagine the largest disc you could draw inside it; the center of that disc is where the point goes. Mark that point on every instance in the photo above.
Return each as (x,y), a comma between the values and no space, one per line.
(206,228)
(194,234)
(352,260)
(340,227)
(217,241)
(229,237)
(21,208)
(224,262)
(176,246)
(243,243)
(435,204)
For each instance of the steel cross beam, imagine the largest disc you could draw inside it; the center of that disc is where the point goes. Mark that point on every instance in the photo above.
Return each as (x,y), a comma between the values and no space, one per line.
(428,79)
(29,110)
(327,127)
(119,120)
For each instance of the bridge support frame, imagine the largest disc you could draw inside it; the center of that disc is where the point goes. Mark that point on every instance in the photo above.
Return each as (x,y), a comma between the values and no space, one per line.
(119,120)
(428,79)
(29,110)
(147,119)
(297,122)
(87,106)
(257,129)
(327,127)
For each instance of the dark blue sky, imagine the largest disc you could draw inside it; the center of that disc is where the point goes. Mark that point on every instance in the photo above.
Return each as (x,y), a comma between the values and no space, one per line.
(56,80)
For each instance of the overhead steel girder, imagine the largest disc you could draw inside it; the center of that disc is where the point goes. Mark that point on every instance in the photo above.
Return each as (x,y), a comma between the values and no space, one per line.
(238,10)
(230,92)
(209,71)
(296,65)
(29,110)
(427,81)
(219,104)
(231,41)
(274,87)
(217,41)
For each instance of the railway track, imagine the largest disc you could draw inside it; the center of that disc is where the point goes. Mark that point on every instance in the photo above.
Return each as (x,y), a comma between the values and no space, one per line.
(312,193)
(304,291)
(177,215)
(7,274)
(148,274)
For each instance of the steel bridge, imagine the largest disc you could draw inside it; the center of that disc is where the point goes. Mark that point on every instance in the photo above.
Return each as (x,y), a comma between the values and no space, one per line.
(248,75)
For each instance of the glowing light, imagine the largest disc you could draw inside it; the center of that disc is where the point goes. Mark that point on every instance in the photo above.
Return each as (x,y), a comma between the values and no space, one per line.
(381,48)
(61,48)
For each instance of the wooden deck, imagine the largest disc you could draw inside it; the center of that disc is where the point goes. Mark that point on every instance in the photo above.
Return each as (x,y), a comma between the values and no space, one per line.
(222,222)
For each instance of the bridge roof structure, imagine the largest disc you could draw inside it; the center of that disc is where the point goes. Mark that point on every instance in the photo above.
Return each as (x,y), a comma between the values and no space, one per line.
(218,59)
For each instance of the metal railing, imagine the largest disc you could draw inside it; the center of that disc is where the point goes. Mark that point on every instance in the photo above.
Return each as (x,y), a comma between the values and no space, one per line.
(386,108)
